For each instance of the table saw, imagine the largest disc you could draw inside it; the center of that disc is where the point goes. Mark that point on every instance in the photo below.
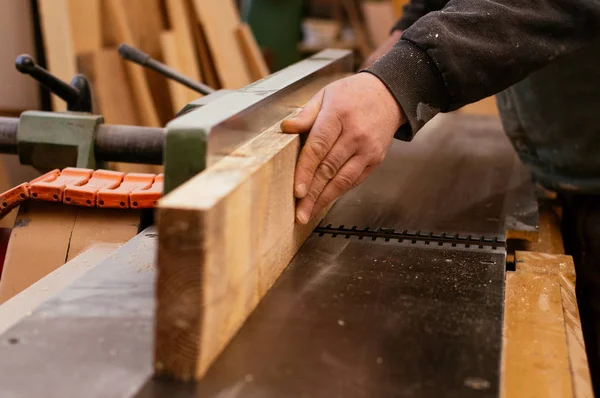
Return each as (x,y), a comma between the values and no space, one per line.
(399,290)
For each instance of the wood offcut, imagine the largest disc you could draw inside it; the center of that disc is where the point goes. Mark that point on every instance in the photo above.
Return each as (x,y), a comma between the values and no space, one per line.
(544,353)
(224,238)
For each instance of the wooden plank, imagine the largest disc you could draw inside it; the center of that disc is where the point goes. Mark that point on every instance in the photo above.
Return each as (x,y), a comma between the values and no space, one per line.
(550,236)
(94,226)
(580,373)
(114,99)
(146,20)
(46,235)
(379,18)
(544,354)
(256,62)
(362,42)
(224,238)
(207,65)
(486,106)
(39,244)
(180,21)
(180,95)
(29,299)
(399,7)
(58,43)
(148,114)
(86,25)
(220,21)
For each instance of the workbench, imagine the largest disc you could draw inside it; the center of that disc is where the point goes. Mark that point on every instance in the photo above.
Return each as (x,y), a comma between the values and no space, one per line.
(401,290)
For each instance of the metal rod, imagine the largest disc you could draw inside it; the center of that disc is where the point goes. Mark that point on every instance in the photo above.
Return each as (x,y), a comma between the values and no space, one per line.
(141,58)
(8,134)
(130,144)
(113,143)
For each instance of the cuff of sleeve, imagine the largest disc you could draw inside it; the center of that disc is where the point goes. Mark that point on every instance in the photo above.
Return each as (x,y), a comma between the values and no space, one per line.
(415,82)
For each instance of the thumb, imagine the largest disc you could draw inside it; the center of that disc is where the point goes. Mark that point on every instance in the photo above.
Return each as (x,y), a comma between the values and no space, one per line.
(304,120)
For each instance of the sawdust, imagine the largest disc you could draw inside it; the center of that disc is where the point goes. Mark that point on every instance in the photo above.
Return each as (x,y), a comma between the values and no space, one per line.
(146,267)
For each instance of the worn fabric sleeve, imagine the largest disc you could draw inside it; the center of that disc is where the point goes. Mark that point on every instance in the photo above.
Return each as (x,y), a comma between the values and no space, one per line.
(472,49)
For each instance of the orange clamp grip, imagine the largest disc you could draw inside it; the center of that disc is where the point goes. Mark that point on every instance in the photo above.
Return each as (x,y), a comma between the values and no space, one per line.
(147,198)
(17,195)
(53,190)
(119,197)
(85,195)
(13,197)
(49,176)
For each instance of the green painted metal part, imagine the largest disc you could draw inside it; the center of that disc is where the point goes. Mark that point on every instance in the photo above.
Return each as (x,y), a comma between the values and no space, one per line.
(49,140)
(189,145)
(283,17)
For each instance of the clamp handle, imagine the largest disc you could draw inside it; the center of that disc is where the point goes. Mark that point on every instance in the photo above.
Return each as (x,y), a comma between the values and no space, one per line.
(77,95)
(139,57)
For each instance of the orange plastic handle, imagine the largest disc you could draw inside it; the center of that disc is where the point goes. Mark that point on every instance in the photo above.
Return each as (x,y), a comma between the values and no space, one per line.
(147,198)
(118,198)
(17,195)
(52,191)
(85,195)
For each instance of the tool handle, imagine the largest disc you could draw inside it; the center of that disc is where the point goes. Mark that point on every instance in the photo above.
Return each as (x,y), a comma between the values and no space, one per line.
(77,95)
(141,58)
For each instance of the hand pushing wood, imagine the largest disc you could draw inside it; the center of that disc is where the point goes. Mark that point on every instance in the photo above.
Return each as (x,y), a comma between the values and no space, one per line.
(351,124)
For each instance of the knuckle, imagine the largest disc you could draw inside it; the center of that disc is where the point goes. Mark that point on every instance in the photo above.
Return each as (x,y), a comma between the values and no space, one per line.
(312,195)
(344,182)
(379,158)
(376,156)
(341,113)
(319,148)
(361,136)
(327,170)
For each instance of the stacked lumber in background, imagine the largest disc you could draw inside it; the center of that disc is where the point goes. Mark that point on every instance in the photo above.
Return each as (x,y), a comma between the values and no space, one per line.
(203,39)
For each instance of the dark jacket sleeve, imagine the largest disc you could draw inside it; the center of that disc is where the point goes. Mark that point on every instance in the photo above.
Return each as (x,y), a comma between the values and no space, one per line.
(415,9)
(472,49)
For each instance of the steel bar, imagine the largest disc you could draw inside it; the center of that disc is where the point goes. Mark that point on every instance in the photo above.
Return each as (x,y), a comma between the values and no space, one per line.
(131,144)
(8,134)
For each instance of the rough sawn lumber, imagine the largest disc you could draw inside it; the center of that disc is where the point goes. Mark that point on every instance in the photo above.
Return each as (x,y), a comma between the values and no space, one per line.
(224,238)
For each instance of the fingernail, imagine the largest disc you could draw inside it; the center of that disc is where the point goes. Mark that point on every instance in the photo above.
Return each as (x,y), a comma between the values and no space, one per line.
(301,217)
(300,191)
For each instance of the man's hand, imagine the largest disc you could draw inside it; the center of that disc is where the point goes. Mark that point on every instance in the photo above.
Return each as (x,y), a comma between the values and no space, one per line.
(351,124)
(382,49)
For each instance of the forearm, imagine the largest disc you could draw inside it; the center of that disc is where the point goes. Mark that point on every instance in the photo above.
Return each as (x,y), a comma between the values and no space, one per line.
(475,48)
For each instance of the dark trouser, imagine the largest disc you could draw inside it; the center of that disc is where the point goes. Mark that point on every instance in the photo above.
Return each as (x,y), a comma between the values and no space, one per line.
(551,118)
(581,234)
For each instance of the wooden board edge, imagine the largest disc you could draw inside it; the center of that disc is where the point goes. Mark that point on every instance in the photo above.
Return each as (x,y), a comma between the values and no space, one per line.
(221,252)
(543,349)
